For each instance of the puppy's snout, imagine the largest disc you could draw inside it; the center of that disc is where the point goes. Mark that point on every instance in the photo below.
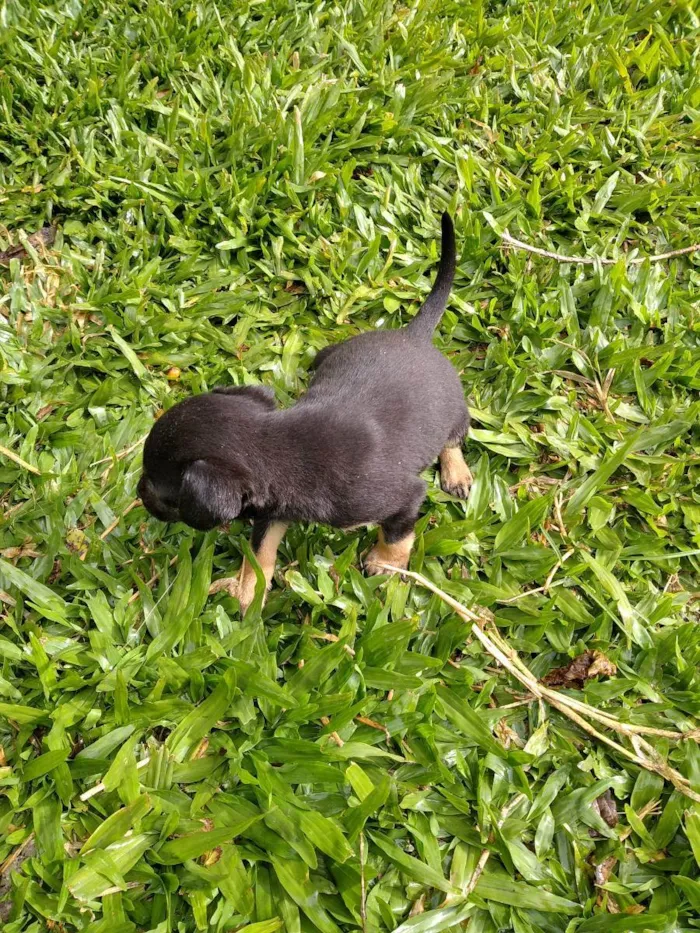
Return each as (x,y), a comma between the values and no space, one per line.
(158,506)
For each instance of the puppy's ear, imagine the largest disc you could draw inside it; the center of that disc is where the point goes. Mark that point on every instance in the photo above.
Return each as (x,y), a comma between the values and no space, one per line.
(262,394)
(209,495)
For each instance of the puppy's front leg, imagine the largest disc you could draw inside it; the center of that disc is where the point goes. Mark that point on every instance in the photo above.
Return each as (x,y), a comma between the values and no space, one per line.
(455,476)
(396,535)
(388,551)
(267,537)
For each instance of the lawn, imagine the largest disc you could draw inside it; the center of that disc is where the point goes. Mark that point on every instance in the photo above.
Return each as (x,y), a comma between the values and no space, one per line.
(221,189)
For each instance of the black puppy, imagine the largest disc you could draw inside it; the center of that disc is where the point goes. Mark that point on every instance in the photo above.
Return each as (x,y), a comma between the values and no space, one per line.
(380,409)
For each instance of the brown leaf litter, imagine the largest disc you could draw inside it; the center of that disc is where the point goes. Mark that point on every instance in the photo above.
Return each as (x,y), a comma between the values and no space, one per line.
(42,238)
(584,667)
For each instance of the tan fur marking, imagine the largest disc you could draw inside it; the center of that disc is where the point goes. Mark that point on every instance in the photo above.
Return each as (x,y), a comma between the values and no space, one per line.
(243,586)
(396,554)
(266,556)
(455,476)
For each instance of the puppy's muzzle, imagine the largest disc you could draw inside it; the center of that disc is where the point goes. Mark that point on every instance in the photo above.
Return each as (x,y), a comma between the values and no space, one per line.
(165,511)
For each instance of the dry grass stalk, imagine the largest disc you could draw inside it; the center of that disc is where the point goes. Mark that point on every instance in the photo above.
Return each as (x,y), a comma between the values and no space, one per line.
(644,754)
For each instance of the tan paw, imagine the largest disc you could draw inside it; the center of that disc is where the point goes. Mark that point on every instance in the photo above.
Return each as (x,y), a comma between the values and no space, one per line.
(246,592)
(374,563)
(229,584)
(395,555)
(455,476)
(457,486)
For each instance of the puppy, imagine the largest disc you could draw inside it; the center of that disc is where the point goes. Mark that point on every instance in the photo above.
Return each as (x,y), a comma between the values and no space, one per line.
(381,407)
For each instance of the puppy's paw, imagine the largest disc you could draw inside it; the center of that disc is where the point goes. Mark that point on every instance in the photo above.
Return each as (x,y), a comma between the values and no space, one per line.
(244,600)
(458,486)
(229,584)
(376,560)
(246,591)
(455,476)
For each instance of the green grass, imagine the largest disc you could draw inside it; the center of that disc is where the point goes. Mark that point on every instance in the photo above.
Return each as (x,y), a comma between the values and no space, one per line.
(236,185)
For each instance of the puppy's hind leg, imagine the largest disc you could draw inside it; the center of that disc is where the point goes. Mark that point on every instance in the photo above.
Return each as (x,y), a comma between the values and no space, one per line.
(267,537)
(396,536)
(455,476)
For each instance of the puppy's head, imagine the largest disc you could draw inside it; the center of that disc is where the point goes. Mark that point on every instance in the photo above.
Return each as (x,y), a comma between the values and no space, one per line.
(197,464)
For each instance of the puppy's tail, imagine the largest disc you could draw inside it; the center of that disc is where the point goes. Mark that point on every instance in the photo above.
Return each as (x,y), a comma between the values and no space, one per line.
(428,318)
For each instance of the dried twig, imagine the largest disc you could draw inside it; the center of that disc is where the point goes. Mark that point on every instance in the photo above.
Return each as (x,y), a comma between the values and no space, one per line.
(652,806)
(334,735)
(592,260)
(110,528)
(373,724)
(548,584)
(644,755)
(363,884)
(468,889)
(130,885)
(11,455)
(607,719)
(98,788)
(484,857)
(149,584)
(121,454)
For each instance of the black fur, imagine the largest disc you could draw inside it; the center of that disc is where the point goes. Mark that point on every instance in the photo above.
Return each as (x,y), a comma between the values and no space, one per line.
(428,318)
(379,410)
